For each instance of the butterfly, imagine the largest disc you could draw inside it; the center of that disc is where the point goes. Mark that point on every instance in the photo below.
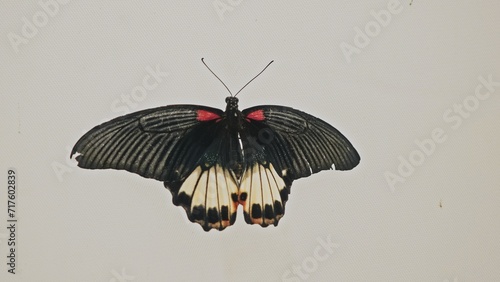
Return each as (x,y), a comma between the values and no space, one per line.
(212,161)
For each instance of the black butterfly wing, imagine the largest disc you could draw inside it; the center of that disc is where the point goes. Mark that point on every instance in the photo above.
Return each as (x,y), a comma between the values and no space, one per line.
(280,145)
(161,143)
(185,146)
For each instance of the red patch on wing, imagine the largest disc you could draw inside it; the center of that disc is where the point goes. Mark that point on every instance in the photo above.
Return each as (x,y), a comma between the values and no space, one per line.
(202,115)
(257,115)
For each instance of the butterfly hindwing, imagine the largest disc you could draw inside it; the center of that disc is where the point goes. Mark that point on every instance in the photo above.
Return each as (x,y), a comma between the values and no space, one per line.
(209,194)
(263,194)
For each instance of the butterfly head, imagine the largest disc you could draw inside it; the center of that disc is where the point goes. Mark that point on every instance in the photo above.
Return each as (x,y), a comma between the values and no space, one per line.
(232,103)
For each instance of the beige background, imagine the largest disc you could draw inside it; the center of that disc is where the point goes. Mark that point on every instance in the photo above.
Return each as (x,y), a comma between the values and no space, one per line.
(441,224)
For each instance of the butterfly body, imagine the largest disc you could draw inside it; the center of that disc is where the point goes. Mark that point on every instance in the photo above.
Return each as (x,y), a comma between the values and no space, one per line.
(212,161)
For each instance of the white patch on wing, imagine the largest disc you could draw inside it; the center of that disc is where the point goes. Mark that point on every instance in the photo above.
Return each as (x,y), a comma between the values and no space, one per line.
(227,187)
(223,199)
(190,182)
(260,195)
(256,196)
(210,192)
(200,191)
(267,198)
(212,196)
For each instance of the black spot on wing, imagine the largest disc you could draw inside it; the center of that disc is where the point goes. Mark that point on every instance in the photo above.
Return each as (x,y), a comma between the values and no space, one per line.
(197,214)
(278,208)
(182,199)
(256,211)
(234,197)
(224,213)
(269,212)
(213,215)
(243,196)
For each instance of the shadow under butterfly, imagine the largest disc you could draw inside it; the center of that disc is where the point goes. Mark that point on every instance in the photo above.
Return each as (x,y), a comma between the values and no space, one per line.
(213,160)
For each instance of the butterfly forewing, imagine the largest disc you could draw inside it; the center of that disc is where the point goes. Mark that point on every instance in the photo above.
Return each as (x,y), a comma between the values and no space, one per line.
(300,143)
(162,143)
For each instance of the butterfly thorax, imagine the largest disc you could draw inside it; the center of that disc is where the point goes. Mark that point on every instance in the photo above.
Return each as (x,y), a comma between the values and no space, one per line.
(233,115)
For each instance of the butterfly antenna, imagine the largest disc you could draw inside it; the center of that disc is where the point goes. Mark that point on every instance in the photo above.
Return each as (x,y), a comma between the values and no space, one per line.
(203,61)
(253,78)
